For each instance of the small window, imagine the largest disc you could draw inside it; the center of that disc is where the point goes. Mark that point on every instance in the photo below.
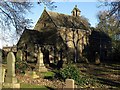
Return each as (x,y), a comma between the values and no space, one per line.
(44,25)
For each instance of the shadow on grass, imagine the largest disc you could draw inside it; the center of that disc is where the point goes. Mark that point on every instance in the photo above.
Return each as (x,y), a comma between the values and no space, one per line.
(109,82)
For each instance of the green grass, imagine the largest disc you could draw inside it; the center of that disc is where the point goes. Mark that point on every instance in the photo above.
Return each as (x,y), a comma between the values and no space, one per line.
(48,75)
(24,85)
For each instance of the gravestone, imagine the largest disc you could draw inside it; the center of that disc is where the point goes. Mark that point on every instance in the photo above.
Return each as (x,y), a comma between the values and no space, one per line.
(69,84)
(34,75)
(40,64)
(1,70)
(31,74)
(19,55)
(0,76)
(97,58)
(3,74)
(11,80)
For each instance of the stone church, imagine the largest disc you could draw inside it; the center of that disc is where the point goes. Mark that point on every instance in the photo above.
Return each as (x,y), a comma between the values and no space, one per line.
(57,34)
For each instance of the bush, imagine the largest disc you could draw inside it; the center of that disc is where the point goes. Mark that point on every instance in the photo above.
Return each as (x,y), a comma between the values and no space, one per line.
(70,72)
(20,66)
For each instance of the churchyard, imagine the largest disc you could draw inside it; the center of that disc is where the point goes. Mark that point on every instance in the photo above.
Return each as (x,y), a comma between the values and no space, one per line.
(17,73)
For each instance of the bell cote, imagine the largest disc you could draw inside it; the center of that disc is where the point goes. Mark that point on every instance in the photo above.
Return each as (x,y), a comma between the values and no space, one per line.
(75,11)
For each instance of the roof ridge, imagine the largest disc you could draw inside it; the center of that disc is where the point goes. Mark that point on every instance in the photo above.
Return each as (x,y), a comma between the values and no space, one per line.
(67,15)
(63,14)
(58,13)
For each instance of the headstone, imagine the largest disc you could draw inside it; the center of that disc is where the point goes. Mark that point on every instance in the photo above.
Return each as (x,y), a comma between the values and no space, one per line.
(31,74)
(11,80)
(69,84)
(40,64)
(34,75)
(0,77)
(97,58)
(0,70)
(3,74)
(19,55)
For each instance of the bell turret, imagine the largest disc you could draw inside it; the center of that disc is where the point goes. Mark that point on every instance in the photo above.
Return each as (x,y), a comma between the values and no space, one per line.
(75,11)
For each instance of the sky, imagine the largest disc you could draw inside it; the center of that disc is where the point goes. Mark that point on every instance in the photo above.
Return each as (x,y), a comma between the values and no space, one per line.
(88,9)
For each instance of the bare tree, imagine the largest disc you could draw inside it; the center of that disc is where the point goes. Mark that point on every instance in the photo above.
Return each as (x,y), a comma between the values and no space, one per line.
(109,20)
(108,25)
(13,15)
(48,3)
(113,8)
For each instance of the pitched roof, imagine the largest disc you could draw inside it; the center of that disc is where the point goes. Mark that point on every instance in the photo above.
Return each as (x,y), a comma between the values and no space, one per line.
(37,37)
(63,20)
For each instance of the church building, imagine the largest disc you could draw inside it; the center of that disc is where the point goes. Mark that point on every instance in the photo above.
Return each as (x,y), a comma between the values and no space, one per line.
(57,34)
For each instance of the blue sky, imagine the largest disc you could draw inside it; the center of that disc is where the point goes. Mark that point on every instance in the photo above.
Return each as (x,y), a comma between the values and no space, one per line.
(88,9)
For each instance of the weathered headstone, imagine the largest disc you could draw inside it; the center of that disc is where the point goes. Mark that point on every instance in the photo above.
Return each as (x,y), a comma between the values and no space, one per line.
(40,64)
(34,75)
(31,74)
(69,84)
(11,80)
(97,58)
(19,55)
(0,77)
(1,70)
(3,74)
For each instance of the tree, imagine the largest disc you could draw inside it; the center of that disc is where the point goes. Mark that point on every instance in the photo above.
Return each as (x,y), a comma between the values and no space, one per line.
(109,22)
(114,7)
(47,3)
(108,25)
(13,15)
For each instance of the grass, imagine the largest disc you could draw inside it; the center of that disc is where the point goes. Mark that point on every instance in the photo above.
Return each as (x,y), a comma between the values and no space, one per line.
(24,85)
(48,75)
(106,76)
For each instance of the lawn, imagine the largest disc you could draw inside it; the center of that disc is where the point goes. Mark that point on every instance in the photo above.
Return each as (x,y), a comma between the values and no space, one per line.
(105,75)
(94,76)
(30,86)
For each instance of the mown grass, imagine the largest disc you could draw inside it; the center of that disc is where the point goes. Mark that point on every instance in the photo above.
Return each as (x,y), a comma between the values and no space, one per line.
(48,75)
(30,86)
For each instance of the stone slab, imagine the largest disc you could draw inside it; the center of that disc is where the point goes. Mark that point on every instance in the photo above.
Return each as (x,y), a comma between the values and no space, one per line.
(69,84)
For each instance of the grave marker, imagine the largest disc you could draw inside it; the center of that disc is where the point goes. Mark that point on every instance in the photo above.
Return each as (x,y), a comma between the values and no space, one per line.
(69,84)
(11,80)
(40,64)
(19,55)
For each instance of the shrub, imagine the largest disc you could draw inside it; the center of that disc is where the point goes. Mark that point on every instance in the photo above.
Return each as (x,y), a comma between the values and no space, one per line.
(20,66)
(48,75)
(70,72)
